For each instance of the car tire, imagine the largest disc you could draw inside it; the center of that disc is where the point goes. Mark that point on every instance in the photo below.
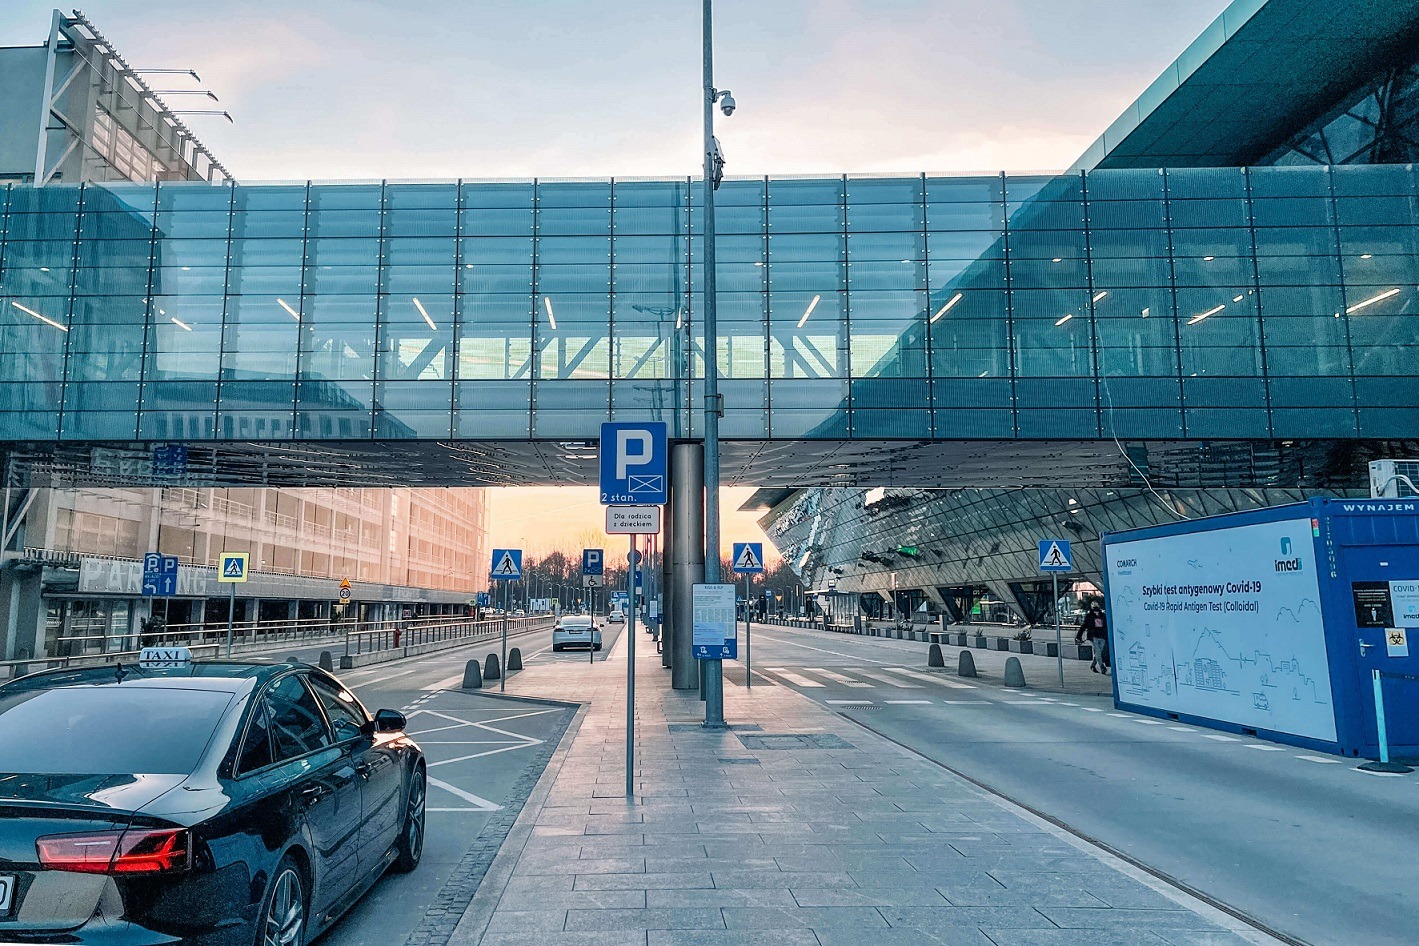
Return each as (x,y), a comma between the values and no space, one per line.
(411,836)
(284,915)
(596,647)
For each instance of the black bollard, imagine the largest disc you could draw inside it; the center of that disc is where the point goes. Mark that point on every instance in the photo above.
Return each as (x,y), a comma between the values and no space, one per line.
(472,676)
(327,662)
(491,668)
(967,667)
(1014,673)
(934,658)
(514,660)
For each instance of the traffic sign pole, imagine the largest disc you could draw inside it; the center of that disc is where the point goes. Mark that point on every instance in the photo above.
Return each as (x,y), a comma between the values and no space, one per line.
(502,667)
(748,640)
(632,560)
(1058,629)
(231,618)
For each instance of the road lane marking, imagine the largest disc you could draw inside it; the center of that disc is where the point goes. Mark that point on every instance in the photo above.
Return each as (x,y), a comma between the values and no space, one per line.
(836,677)
(446,682)
(1182,729)
(1121,715)
(929,678)
(1218,738)
(1091,709)
(908,702)
(479,804)
(366,683)
(890,681)
(968,702)
(849,702)
(1321,759)
(1148,722)
(793,678)
(1261,748)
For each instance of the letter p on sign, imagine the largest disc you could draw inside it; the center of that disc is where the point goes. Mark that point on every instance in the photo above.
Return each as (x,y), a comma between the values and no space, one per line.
(628,456)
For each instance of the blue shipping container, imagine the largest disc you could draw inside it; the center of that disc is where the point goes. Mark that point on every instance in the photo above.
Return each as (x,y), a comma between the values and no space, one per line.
(1273,622)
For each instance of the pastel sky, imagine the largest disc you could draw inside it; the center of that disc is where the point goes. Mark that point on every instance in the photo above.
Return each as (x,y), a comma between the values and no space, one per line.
(340,89)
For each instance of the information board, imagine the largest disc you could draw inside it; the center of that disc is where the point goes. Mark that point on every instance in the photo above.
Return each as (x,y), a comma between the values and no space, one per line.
(713,626)
(1225,625)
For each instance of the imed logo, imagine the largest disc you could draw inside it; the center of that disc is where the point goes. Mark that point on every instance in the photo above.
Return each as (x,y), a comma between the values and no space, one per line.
(1288,562)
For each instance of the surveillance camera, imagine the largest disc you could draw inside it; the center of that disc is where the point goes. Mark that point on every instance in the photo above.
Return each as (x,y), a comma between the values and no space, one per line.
(726,104)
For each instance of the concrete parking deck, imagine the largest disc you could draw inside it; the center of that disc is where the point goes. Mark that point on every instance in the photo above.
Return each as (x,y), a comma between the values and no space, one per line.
(794,827)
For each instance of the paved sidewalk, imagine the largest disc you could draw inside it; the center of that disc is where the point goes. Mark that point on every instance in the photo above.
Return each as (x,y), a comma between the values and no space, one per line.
(797,828)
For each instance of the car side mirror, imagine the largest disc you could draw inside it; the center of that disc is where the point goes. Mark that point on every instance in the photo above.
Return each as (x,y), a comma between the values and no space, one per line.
(388,720)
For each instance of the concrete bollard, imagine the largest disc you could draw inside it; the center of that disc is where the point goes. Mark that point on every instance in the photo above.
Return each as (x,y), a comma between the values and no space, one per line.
(514,660)
(934,658)
(327,661)
(472,676)
(967,666)
(492,670)
(1014,673)
(293,659)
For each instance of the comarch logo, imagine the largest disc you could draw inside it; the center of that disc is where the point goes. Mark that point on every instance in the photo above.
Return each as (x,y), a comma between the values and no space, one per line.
(1289,561)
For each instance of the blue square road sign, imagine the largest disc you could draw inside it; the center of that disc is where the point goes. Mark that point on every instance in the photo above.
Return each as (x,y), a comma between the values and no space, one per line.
(507,565)
(634,464)
(593,561)
(1055,556)
(748,557)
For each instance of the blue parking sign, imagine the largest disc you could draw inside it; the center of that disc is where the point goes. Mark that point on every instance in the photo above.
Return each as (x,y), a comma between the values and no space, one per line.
(593,561)
(634,464)
(159,575)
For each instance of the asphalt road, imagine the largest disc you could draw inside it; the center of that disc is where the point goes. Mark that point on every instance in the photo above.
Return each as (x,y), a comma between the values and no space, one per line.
(1305,843)
(484,753)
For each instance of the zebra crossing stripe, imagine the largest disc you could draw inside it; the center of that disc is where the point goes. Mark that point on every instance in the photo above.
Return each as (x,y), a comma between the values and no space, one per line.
(930,678)
(890,681)
(835,677)
(793,678)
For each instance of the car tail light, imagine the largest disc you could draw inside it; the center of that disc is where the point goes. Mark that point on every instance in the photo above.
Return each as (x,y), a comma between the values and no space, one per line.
(135,851)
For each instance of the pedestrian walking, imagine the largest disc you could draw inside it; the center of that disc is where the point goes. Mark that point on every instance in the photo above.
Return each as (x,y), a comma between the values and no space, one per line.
(1095,628)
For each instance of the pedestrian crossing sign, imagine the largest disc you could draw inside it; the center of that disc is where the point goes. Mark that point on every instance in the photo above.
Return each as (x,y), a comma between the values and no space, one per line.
(1054,556)
(233,568)
(748,557)
(507,564)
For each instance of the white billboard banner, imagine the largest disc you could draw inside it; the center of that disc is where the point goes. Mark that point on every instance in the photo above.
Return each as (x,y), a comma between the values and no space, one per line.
(1224,624)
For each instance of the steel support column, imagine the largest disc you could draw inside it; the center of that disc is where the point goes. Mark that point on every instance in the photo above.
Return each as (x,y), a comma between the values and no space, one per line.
(667,584)
(686,552)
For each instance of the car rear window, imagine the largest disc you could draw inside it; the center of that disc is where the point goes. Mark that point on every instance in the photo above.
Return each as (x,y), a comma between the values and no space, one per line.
(576,624)
(107,730)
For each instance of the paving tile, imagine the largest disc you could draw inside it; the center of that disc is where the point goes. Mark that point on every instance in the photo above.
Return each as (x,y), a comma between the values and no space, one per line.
(733,938)
(1074,918)
(545,938)
(781,918)
(867,897)
(1014,937)
(781,878)
(721,897)
(687,880)
(902,937)
(668,918)
(518,921)
(1005,917)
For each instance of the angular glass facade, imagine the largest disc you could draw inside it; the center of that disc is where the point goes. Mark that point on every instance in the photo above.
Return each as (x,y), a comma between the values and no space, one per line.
(1244,304)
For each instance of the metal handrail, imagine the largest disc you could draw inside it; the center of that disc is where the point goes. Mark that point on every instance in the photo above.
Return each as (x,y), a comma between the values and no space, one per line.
(359,637)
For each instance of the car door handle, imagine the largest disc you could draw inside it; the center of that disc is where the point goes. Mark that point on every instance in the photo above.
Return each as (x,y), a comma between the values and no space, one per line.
(312,795)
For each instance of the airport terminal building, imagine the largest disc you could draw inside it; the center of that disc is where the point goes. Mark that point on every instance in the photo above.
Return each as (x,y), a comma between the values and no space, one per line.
(1217,308)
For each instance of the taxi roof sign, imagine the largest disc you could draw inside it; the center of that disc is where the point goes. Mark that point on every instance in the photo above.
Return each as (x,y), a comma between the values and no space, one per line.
(164,658)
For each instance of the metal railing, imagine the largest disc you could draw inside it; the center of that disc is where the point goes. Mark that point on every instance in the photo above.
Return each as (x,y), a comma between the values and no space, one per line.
(251,639)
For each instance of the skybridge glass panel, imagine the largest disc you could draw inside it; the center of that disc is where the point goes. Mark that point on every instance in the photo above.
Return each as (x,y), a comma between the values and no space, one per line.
(1198,303)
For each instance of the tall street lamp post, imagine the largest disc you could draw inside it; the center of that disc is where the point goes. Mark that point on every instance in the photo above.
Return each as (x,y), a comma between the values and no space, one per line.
(712,671)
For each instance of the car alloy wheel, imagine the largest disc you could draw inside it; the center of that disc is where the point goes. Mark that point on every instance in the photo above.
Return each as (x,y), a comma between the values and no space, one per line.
(284,924)
(411,844)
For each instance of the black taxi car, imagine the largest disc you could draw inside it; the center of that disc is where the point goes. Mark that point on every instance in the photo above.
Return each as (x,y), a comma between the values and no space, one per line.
(202,802)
